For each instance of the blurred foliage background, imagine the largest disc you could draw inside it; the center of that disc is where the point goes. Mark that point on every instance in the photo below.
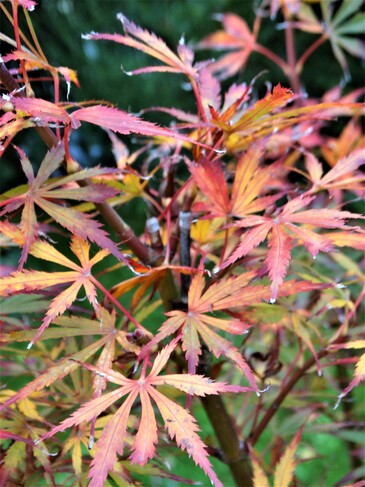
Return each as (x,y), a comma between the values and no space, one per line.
(60,23)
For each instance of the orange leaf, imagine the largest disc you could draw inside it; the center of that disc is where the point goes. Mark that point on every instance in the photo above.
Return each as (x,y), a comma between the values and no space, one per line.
(79,277)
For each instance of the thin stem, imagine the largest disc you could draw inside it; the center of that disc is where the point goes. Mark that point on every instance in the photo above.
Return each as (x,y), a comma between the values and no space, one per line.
(308,52)
(273,408)
(291,56)
(119,306)
(273,57)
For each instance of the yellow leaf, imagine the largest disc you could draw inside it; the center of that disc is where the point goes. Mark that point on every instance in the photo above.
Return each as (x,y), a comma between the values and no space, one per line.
(285,468)
(28,408)
(259,477)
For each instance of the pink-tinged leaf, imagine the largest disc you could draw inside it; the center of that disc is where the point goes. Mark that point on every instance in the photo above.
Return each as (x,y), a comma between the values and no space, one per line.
(111,443)
(209,177)
(325,218)
(88,410)
(44,110)
(80,276)
(314,242)
(346,165)
(215,296)
(236,35)
(182,426)
(314,168)
(144,443)
(219,346)
(191,343)
(41,192)
(82,225)
(162,358)
(251,239)
(96,193)
(209,89)
(196,385)
(278,258)
(28,4)
(32,280)
(125,123)
(26,165)
(149,43)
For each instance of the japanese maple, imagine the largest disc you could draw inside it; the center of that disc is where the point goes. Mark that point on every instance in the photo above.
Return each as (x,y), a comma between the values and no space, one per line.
(241,300)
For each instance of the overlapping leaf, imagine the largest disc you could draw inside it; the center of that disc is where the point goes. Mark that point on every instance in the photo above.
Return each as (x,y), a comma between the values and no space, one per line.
(180,425)
(195,324)
(250,183)
(79,276)
(107,117)
(45,194)
(281,229)
(343,175)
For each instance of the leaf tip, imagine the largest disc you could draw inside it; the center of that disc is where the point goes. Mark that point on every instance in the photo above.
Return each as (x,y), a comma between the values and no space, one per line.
(88,36)
(338,402)
(340,286)
(272,300)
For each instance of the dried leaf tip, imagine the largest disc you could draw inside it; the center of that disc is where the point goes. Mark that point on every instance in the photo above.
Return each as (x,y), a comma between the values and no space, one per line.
(272,300)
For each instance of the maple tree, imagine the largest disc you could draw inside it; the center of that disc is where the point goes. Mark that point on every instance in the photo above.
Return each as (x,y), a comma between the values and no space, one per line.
(241,300)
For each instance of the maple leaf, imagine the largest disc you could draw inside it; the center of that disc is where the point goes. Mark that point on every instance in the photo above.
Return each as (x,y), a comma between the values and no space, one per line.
(336,27)
(178,421)
(266,118)
(280,242)
(149,43)
(44,193)
(194,324)
(249,183)
(343,175)
(79,276)
(235,37)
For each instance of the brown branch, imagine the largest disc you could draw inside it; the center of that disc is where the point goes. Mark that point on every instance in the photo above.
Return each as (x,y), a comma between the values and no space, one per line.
(273,408)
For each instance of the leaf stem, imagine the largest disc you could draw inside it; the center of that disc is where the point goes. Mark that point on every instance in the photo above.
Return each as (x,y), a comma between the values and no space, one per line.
(273,408)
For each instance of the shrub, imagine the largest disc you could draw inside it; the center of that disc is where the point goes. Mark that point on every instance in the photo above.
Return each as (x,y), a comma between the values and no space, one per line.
(219,297)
